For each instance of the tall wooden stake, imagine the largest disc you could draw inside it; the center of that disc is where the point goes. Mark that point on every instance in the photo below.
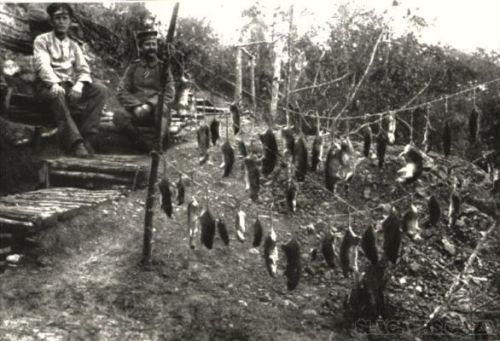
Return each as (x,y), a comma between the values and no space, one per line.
(273,109)
(147,248)
(289,72)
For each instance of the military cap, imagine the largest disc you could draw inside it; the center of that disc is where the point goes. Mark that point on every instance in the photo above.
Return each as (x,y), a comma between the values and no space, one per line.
(147,34)
(53,8)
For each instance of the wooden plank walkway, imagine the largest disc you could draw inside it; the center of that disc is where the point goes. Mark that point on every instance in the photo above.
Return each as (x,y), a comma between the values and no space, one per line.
(29,212)
(126,170)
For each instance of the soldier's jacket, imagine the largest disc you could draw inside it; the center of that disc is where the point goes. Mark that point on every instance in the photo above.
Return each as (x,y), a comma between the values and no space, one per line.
(141,84)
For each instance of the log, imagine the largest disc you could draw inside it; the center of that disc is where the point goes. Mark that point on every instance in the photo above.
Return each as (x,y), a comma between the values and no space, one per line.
(4,251)
(108,126)
(30,212)
(108,161)
(84,200)
(19,214)
(65,194)
(91,176)
(44,203)
(6,224)
(74,190)
(122,158)
(59,212)
(72,193)
(66,198)
(5,239)
(124,169)
(34,209)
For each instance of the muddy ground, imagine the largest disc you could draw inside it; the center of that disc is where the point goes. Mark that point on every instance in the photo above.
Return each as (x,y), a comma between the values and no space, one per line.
(82,280)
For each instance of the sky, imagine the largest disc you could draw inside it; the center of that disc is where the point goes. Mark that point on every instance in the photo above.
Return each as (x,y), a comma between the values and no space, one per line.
(463,24)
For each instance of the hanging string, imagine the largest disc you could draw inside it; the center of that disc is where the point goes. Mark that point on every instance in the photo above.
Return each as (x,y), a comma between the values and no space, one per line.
(436,100)
(381,115)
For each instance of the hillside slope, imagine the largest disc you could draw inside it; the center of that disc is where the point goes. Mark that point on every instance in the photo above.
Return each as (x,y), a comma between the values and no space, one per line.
(85,281)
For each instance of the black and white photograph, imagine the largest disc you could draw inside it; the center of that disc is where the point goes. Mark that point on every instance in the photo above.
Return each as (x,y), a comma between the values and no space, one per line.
(250,170)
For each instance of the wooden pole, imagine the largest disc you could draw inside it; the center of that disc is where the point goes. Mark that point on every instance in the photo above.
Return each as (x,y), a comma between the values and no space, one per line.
(290,69)
(239,78)
(273,109)
(147,249)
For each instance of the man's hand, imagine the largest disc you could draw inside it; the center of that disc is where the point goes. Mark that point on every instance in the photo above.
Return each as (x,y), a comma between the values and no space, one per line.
(56,90)
(142,110)
(76,91)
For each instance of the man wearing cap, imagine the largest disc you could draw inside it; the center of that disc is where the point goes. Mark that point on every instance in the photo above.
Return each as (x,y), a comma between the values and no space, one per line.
(63,78)
(139,89)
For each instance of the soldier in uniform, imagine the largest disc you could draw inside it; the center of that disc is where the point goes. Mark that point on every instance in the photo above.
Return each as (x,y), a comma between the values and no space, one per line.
(139,89)
(63,78)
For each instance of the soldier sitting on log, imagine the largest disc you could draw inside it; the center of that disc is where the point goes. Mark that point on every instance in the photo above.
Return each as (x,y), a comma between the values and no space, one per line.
(63,78)
(138,92)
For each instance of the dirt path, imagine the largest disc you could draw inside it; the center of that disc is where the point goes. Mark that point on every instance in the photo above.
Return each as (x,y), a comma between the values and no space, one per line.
(89,285)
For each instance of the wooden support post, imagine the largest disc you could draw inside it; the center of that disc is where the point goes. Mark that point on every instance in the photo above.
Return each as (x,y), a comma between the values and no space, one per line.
(239,78)
(252,85)
(147,249)
(290,69)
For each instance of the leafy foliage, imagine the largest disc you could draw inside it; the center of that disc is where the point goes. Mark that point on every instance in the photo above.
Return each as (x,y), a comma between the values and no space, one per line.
(199,52)
(403,66)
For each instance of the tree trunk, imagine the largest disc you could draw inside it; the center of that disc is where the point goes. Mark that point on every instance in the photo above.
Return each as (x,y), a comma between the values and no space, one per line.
(239,78)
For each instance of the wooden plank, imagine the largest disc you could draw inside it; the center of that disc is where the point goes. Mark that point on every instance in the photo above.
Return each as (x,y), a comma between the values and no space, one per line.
(90,176)
(19,214)
(123,158)
(28,212)
(12,225)
(5,239)
(79,200)
(55,212)
(5,250)
(43,203)
(74,190)
(115,169)
(48,195)
(104,163)
(66,195)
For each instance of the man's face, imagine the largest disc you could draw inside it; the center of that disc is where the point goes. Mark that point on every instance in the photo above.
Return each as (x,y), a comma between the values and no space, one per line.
(61,21)
(149,47)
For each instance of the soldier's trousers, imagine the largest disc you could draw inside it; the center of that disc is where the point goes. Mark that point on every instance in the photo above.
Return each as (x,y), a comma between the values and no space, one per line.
(93,96)
(128,122)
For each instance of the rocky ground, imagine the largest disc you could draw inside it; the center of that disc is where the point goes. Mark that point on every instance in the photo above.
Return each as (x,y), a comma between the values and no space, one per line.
(83,279)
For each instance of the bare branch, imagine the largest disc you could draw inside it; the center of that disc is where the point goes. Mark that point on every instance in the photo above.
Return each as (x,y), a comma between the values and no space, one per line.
(465,273)
(353,94)
(255,43)
(321,84)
